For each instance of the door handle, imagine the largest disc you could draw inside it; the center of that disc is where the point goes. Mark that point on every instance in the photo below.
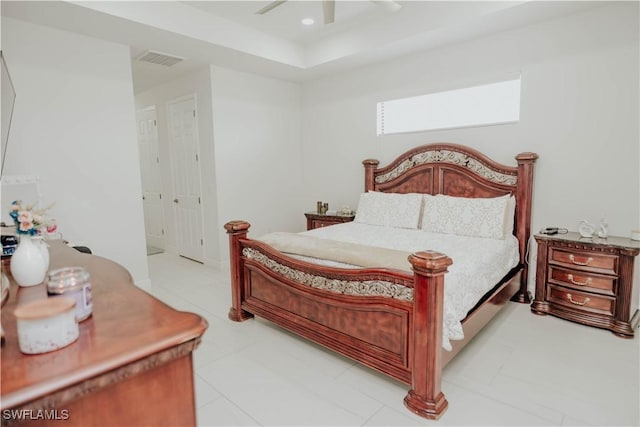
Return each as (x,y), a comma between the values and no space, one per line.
(175,200)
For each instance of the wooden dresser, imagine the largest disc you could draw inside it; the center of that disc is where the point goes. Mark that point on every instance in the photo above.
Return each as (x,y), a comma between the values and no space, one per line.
(588,280)
(131,365)
(316,220)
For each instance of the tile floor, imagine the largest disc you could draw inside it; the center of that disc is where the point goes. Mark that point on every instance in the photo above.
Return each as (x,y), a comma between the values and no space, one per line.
(520,370)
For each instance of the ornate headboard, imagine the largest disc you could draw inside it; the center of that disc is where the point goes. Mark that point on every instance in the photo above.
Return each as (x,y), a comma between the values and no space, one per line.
(460,171)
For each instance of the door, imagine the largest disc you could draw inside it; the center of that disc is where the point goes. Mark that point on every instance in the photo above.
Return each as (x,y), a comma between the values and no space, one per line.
(185,167)
(151,177)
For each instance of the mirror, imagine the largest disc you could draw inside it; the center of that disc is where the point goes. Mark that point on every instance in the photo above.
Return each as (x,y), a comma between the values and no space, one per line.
(8,101)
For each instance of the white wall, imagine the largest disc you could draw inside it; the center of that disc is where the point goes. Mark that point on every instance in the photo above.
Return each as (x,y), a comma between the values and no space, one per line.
(579,112)
(198,83)
(74,127)
(257,150)
(249,129)
(276,147)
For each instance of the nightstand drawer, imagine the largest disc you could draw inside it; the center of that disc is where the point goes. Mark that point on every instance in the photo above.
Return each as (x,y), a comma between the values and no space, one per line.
(588,281)
(581,300)
(592,260)
(323,223)
(582,280)
(316,220)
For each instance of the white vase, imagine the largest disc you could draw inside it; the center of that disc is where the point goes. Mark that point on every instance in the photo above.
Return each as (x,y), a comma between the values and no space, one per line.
(30,261)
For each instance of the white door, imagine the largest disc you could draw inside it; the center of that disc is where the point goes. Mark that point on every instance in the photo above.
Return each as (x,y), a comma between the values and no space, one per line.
(185,167)
(151,177)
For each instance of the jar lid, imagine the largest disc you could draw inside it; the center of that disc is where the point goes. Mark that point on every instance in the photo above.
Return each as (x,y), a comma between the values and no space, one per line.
(66,278)
(44,308)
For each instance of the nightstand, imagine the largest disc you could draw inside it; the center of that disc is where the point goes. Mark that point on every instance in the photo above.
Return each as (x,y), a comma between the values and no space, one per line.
(588,281)
(316,220)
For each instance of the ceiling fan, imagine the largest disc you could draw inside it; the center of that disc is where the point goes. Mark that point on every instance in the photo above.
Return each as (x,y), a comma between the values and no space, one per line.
(329,8)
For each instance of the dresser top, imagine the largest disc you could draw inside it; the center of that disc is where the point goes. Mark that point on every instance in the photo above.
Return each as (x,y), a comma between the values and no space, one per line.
(127,325)
(611,241)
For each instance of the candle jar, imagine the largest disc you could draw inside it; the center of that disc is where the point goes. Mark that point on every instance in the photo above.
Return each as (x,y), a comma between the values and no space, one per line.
(72,282)
(46,325)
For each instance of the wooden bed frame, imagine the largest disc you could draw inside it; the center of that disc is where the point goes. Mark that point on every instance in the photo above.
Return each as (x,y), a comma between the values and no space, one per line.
(401,338)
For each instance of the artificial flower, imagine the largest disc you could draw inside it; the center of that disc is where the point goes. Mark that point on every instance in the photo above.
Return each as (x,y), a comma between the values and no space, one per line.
(29,220)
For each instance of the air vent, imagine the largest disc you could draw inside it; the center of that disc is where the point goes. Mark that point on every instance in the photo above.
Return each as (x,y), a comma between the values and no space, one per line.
(159,58)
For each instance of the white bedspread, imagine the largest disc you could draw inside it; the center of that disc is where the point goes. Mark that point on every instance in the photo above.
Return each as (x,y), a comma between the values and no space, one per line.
(478,263)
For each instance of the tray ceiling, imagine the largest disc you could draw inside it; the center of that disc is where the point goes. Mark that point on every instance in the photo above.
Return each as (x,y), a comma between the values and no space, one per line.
(231,34)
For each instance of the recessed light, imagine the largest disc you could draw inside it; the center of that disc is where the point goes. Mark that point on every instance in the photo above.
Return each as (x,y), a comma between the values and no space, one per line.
(308,21)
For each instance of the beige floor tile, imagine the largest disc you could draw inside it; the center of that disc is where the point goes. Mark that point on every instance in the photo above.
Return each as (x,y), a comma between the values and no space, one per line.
(521,369)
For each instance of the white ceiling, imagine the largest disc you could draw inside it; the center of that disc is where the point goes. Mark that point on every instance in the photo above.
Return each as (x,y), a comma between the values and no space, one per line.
(285,20)
(230,34)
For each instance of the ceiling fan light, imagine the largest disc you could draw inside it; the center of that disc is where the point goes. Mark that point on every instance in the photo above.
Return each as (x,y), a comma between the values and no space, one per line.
(308,21)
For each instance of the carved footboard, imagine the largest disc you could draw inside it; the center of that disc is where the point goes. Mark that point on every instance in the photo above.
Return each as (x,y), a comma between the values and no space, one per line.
(388,320)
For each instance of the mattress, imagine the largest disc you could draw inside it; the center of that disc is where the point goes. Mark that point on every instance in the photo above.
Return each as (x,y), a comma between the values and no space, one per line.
(478,263)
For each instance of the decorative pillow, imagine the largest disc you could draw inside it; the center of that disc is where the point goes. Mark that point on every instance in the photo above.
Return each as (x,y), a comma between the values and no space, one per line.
(475,217)
(389,209)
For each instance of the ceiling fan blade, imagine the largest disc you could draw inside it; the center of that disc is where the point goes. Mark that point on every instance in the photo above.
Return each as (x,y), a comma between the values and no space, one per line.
(389,5)
(269,7)
(329,11)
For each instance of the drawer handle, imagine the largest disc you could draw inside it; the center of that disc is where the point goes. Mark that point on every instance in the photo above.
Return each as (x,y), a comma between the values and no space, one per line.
(586,300)
(573,260)
(575,282)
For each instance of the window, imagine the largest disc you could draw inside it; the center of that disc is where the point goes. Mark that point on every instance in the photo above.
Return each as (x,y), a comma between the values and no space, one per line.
(489,104)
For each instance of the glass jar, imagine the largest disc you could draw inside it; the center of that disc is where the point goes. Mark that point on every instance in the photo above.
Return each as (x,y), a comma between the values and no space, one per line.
(72,282)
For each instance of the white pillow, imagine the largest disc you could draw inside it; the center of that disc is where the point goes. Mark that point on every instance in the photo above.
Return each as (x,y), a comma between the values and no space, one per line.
(389,209)
(475,217)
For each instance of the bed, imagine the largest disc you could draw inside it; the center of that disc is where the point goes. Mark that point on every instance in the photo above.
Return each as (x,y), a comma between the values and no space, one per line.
(388,317)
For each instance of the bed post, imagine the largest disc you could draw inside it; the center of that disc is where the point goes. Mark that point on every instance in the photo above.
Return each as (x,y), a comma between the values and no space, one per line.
(425,397)
(237,230)
(524,195)
(370,165)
